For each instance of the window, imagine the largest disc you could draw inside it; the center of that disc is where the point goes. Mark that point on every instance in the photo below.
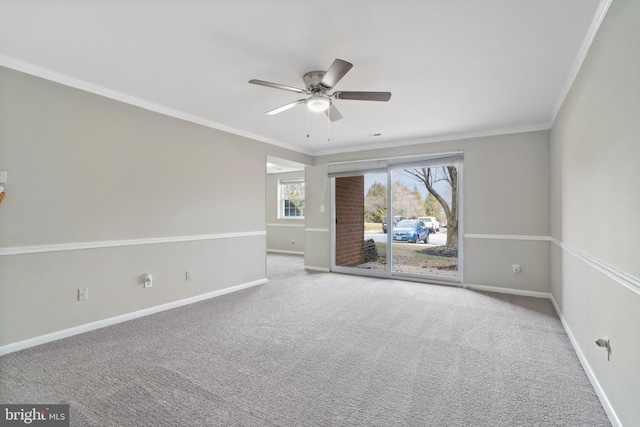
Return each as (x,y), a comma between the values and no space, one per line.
(291,198)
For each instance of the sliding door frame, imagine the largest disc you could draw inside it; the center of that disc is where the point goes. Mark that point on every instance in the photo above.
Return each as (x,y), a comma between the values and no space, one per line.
(345,169)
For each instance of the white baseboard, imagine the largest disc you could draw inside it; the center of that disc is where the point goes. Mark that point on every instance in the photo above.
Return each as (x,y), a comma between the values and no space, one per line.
(320,269)
(604,400)
(32,342)
(511,291)
(279,251)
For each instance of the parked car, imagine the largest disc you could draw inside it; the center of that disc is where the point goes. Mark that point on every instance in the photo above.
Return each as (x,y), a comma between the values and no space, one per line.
(431,222)
(396,219)
(410,230)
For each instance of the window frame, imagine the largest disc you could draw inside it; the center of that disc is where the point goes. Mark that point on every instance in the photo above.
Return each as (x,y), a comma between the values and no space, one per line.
(281,201)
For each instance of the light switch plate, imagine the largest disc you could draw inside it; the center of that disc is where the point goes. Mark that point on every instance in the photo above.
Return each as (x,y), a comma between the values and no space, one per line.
(3,177)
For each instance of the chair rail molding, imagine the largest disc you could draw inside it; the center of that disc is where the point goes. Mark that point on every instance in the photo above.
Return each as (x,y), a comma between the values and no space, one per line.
(626,280)
(21,250)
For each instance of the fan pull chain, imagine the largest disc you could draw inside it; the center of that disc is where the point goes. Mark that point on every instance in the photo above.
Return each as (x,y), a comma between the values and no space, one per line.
(307,121)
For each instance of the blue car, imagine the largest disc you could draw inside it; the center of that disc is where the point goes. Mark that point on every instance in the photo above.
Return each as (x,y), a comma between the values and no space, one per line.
(411,230)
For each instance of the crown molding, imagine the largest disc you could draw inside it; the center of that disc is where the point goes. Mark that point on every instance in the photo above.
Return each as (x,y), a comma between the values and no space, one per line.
(63,79)
(601,12)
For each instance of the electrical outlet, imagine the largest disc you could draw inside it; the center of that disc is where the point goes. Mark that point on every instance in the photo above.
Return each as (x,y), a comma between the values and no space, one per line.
(148,280)
(187,275)
(293,241)
(83,294)
(516,269)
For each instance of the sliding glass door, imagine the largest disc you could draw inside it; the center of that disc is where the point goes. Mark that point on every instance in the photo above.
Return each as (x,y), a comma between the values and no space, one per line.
(425,241)
(401,221)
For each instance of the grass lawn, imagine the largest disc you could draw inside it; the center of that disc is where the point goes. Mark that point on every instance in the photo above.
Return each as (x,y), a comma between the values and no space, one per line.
(415,255)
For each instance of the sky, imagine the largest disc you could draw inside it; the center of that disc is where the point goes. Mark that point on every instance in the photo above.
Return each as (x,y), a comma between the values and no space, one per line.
(369,179)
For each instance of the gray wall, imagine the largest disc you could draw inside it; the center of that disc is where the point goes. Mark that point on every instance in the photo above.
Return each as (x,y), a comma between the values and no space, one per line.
(505,207)
(595,209)
(100,193)
(281,231)
(317,255)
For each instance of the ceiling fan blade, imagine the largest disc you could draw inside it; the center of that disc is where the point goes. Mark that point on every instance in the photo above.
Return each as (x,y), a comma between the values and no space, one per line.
(363,96)
(336,71)
(285,107)
(277,86)
(333,113)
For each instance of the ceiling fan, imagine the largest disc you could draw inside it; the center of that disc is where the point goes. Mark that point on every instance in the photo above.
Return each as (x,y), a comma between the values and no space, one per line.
(318,84)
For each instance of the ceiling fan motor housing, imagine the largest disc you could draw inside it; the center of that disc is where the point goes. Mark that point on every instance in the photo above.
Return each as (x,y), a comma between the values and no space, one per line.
(312,81)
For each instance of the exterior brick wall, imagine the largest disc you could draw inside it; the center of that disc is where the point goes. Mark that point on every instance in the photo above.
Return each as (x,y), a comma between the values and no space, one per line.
(349,221)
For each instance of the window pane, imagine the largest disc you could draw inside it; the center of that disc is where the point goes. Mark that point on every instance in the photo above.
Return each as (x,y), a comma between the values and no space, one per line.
(292,199)
(431,250)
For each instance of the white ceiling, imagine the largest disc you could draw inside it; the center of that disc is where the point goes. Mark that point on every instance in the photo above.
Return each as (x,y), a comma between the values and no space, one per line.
(455,68)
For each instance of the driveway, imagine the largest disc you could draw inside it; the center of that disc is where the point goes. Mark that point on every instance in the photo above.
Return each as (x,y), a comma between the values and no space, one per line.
(437,239)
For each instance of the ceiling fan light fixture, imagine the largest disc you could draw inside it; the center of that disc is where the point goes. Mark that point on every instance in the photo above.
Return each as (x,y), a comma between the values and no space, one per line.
(318,104)
(318,84)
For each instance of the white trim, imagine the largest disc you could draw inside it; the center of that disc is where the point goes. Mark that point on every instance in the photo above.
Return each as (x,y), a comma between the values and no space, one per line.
(601,12)
(278,251)
(613,417)
(356,271)
(45,73)
(604,400)
(320,269)
(286,225)
(441,138)
(426,279)
(461,222)
(507,237)
(332,222)
(31,342)
(318,230)
(53,76)
(510,291)
(20,250)
(626,280)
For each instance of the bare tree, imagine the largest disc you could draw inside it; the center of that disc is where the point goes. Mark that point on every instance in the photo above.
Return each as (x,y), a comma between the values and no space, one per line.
(449,174)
